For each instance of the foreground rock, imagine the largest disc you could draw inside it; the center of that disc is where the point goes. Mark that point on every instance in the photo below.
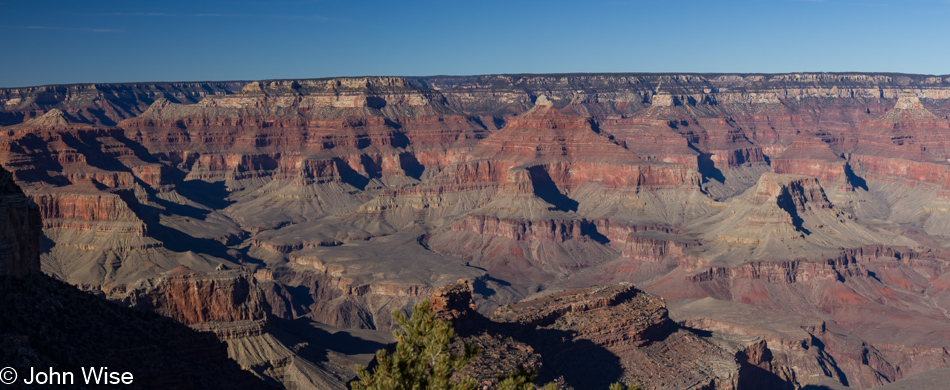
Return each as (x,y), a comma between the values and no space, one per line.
(19,230)
(589,338)
(49,325)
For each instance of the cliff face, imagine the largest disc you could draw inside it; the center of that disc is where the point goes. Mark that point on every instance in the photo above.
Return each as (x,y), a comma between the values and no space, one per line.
(229,303)
(235,307)
(346,198)
(20,230)
(50,324)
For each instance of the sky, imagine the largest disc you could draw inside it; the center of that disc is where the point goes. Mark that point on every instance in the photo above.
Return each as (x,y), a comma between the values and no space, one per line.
(96,41)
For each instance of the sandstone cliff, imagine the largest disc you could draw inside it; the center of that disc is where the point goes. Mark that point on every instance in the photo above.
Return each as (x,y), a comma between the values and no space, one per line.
(813,195)
(227,302)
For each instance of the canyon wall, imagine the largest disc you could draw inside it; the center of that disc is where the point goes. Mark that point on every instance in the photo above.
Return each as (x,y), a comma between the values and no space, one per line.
(811,195)
(20,230)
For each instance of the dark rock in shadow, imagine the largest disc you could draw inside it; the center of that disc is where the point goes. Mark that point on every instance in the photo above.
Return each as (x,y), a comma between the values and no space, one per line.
(589,229)
(319,341)
(558,355)
(211,194)
(46,244)
(580,362)
(48,323)
(499,122)
(707,168)
(853,179)
(11,118)
(350,176)
(786,203)
(411,165)
(399,139)
(375,102)
(371,167)
(545,189)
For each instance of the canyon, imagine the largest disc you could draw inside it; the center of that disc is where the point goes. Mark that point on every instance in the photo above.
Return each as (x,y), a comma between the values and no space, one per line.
(741,230)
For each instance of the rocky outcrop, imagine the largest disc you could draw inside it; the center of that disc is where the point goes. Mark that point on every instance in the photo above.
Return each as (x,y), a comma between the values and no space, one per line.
(235,307)
(454,303)
(228,302)
(633,327)
(811,155)
(20,230)
(48,323)
(581,338)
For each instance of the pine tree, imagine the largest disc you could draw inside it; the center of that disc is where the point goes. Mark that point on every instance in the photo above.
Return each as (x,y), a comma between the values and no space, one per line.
(522,379)
(422,359)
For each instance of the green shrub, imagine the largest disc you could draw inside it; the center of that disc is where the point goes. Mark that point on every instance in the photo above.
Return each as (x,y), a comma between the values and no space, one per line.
(422,360)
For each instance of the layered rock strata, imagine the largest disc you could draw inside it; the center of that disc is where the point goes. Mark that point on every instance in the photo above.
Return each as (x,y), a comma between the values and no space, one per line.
(48,324)
(347,198)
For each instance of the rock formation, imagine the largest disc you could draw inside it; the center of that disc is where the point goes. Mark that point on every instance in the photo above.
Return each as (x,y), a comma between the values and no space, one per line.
(19,230)
(592,337)
(48,324)
(819,197)
(226,302)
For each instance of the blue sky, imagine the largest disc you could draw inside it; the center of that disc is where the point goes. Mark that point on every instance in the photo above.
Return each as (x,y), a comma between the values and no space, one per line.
(73,41)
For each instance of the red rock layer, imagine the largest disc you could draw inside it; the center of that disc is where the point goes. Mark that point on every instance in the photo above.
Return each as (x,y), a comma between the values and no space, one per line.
(854,289)
(221,301)
(464,164)
(554,230)
(799,191)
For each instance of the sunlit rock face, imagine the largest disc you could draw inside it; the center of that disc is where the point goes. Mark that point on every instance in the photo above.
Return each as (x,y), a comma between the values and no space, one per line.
(821,197)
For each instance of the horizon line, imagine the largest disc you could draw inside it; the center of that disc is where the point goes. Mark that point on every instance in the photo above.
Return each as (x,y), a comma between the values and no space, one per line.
(206,81)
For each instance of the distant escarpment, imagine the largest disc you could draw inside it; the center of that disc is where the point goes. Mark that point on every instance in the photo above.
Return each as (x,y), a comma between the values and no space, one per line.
(820,197)
(101,104)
